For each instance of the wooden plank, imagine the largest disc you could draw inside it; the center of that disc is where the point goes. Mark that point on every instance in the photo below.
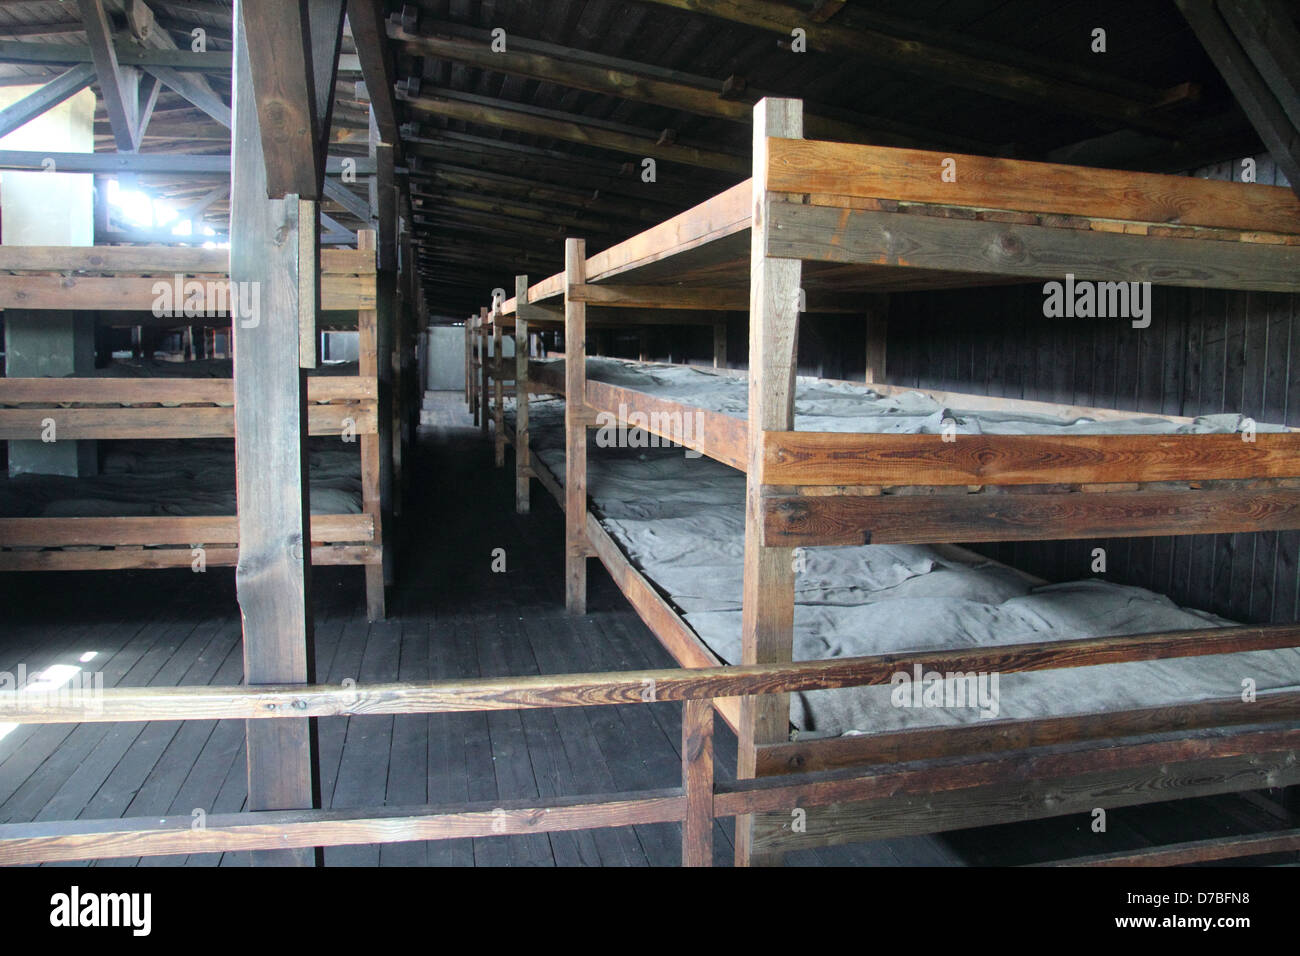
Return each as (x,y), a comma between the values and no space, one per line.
(572,127)
(522,450)
(298,829)
(366,23)
(276,701)
(119,85)
(1195,851)
(158,423)
(858,750)
(661,297)
(284,82)
(767,625)
(697,783)
(1248,87)
(721,437)
(118,559)
(576,546)
(273,577)
(844,458)
(177,529)
(866,237)
(988,182)
(1020,791)
(805,521)
(27,392)
(67,84)
(722,215)
(122,293)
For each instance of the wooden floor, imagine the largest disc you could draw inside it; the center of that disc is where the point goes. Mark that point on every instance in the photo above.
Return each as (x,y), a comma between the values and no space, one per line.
(450,616)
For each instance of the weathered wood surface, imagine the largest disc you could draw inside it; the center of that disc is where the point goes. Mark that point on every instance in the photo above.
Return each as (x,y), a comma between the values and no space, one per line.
(988,182)
(802,521)
(270,701)
(697,782)
(852,458)
(576,546)
(188,422)
(1000,250)
(1195,851)
(290,829)
(721,437)
(139,294)
(178,530)
(273,577)
(834,753)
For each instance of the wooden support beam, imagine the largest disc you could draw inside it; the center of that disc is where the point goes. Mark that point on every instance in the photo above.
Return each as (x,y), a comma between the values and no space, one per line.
(1266,30)
(576,546)
(325,20)
(274,572)
(366,23)
(767,625)
(61,54)
(119,85)
(571,127)
(64,86)
(697,782)
(523,461)
(1249,88)
(284,81)
(936,63)
(709,298)
(803,521)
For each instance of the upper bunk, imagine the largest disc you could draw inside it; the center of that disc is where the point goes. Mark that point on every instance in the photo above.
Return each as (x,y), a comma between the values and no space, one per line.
(194,280)
(881,219)
(177,286)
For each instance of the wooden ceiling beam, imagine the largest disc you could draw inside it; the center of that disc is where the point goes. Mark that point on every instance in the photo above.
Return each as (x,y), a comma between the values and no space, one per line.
(1248,86)
(699,95)
(279,38)
(50,95)
(953,67)
(118,85)
(366,22)
(574,128)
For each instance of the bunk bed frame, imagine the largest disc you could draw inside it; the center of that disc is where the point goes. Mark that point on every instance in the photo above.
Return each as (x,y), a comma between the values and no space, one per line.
(823,225)
(123,279)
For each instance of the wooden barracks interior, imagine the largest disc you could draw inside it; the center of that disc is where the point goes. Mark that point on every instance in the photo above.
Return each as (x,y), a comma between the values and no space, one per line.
(649,432)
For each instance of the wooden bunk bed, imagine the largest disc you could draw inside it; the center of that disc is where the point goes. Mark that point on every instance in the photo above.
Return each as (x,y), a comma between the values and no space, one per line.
(821,223)
(123,280)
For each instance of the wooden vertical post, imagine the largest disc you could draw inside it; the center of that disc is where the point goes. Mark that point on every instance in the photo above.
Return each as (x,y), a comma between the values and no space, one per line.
(877,333)
(522,396)
(469,363)
(720,345)
(483,358)
(273,576)
(768,608)
(498,391)
(697,782)
(371,450)
(575,430)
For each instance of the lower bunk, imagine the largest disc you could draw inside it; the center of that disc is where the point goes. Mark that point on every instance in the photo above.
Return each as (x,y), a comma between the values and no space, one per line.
(170,503)
(971,729)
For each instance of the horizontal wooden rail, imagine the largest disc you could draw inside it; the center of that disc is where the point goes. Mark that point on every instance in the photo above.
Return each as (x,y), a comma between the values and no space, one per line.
(721,437)
(279,829)
(628,687)
(987,182)
(137,294)
(186,530)
(164,261)
(166,391)
(1195,851)
(182,422)
(139,558)
(854,458)
(803,521)
(989,250)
